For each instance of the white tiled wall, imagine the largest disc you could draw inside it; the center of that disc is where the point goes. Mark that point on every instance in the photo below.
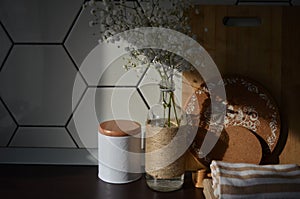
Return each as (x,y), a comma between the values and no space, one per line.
(42,47)
(36,84)
(117,103)
(81,40)
(38,21)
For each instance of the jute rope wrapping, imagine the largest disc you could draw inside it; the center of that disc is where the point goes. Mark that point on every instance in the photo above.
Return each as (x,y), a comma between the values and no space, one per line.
(165,144)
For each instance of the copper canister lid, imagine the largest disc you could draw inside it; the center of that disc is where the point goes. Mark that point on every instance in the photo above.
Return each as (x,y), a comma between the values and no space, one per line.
(119,128)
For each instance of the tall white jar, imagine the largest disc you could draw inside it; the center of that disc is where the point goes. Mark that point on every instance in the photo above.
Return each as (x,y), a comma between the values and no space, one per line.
(119,151)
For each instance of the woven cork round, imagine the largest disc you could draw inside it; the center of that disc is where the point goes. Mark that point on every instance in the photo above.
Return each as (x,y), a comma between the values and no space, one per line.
(237,145)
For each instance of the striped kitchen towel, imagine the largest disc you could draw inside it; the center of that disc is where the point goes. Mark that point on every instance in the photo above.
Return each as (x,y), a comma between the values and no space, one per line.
(239,180)
(208,191)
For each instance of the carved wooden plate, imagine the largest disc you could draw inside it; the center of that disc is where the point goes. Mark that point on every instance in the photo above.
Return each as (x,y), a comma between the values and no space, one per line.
(248,105)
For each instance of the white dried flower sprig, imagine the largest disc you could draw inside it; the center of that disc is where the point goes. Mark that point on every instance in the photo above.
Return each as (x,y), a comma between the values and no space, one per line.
(112,17)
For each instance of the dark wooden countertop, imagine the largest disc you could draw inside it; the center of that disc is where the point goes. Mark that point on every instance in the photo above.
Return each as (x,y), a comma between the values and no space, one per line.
(45,182)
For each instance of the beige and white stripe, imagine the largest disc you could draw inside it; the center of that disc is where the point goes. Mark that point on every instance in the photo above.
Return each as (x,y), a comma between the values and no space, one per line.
(239,180)
(207,189)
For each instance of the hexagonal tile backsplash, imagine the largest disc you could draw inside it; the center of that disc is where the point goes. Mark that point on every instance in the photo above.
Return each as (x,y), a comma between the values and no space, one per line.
(38,21)
(42,48)
(36,84)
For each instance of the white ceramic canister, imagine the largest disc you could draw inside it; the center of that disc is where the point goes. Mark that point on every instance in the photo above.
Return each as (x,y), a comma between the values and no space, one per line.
(119,151)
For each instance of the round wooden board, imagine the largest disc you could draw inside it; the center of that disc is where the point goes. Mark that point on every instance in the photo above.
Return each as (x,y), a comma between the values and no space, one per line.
(248,105)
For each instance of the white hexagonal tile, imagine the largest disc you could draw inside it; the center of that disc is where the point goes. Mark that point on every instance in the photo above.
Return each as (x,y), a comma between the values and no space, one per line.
(116,75)
(37,82)
(149,86)
(99,66)
(7,126)
(42,137)
(5,45)
(105,104)
(103,66)
(38,21)
(150,89)
(81,39)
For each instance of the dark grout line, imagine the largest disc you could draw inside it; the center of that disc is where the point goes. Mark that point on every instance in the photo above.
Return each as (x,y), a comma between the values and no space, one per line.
(6,56)
(71,116)
(82,77)
(41,126)
(75,108)
(12,136)
(143,98)
(37,147)
(71,58)
(74,141)
(112,86)
(7,109)
(142,77)
(38,43)
(7,33)
(72,25)
(75,65)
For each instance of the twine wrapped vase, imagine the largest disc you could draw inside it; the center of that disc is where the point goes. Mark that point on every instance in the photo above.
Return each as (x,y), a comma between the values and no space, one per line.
(165,142)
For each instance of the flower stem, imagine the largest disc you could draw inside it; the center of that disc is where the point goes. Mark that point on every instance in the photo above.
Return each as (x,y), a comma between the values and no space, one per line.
(169,109)
(163,96)
(175,112)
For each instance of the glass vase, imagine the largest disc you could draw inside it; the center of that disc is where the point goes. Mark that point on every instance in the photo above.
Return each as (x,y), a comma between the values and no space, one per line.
(165,160)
